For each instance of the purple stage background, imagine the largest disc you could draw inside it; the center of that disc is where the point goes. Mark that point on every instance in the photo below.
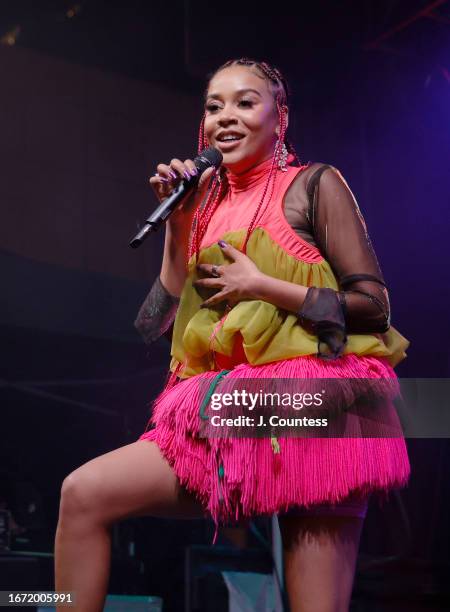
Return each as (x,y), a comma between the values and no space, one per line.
(88,109)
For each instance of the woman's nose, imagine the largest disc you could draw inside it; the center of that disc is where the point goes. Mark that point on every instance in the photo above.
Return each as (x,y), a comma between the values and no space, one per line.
(226,116)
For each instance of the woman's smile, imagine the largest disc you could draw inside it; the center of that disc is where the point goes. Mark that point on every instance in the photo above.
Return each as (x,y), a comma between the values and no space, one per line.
(229,145)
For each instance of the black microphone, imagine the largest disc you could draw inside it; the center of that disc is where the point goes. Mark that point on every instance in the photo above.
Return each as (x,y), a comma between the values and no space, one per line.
(207,158)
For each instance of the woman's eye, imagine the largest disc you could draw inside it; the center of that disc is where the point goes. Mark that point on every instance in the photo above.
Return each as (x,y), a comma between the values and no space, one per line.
(212,108)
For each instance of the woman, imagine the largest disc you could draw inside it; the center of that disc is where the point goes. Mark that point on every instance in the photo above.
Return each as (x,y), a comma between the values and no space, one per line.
(278,273)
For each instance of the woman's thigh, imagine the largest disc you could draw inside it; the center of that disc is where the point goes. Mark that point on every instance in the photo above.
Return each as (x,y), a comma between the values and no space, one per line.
(133,480)
(320,555)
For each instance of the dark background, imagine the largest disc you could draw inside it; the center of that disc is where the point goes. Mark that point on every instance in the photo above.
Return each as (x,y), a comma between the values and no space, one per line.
(93,95)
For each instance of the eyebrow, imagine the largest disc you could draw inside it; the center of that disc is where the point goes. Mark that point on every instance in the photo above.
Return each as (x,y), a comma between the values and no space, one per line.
(239,91)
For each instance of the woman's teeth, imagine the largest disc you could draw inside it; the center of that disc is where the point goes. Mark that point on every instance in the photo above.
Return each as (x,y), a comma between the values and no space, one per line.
(227,142)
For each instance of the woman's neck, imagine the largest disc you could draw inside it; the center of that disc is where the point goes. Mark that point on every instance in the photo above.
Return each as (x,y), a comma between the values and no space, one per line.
(252,176)
(239,170)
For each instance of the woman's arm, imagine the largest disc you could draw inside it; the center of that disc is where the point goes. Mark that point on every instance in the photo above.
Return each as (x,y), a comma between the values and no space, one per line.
(157,313)
(362,303)
(319,310)
(341,234)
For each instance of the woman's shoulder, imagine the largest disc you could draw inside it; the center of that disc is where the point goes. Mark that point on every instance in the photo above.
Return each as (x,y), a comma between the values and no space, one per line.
(299,196)
(332,181)
(305,179)
(315,170)
(312,168)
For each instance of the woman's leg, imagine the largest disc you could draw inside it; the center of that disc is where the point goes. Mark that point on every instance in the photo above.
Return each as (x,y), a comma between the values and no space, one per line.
(134,480)
(319,554)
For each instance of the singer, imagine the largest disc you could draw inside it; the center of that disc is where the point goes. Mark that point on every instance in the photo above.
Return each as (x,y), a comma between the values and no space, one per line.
(268,272)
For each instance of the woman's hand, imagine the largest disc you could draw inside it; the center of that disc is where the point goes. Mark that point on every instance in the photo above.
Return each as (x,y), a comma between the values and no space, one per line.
(237,281)
(168,177)
(179,224)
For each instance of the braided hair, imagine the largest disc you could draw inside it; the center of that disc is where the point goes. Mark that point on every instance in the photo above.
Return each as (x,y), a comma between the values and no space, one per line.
(281,93)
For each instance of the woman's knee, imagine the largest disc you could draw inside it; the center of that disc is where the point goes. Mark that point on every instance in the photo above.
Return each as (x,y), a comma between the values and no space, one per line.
(134,480)
(80,493)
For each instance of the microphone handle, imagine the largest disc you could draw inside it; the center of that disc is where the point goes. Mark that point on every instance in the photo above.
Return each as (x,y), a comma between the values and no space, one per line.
(163,211)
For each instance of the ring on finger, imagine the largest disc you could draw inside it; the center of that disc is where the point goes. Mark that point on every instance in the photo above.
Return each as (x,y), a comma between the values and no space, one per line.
(215,271)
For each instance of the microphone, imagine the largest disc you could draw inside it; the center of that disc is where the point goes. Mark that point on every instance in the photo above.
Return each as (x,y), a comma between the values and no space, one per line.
(207,158)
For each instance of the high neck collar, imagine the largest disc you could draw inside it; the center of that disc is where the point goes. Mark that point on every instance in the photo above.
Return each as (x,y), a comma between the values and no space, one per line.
(250,178)
(256,175)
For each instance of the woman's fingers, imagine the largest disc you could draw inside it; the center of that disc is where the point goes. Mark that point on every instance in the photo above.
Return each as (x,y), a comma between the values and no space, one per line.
(212,269)
(208,283)
(178,170)
(158,188)
(168,176)
(190,167)
(205,178)
(163,170)
(216,299)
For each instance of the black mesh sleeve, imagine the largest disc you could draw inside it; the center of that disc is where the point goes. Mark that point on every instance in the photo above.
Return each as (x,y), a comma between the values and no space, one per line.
(322,315)
(362,303)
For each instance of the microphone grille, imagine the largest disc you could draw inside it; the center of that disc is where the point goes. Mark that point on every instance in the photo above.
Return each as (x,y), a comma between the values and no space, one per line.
(207,158)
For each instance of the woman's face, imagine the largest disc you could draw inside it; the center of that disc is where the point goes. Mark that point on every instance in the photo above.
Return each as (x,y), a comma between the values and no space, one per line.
(240,104)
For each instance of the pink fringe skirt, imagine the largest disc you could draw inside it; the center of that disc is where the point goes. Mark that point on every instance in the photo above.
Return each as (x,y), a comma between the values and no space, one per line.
(237,478)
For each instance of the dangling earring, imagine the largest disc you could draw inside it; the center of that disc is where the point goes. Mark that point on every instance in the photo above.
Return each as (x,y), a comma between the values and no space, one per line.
(282,156)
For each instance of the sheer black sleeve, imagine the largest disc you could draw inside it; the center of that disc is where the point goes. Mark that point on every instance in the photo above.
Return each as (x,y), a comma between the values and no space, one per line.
(157,314)
(362,303)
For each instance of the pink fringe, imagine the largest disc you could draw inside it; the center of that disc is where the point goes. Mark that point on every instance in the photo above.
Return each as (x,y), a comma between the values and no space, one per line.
(256,480)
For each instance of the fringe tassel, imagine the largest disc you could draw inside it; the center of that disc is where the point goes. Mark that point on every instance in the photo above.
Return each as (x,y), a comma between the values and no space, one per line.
(235,479)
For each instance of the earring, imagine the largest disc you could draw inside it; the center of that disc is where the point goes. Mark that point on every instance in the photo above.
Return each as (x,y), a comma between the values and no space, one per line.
(282,156)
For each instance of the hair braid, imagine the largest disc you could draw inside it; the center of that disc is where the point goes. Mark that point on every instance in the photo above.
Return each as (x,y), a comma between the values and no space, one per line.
(202,142)
(202,217)
(272,172)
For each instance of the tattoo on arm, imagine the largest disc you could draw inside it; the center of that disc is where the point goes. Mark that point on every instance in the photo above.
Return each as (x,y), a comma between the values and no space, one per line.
(157,313)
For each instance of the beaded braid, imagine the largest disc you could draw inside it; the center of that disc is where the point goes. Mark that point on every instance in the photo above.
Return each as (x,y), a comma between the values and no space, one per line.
(203,214)
(202,217)
(210,206)
(272,171)
(202,142)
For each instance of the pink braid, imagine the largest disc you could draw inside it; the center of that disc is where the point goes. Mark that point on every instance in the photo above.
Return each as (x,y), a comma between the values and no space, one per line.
(202,142)
(202,217)
(272,171)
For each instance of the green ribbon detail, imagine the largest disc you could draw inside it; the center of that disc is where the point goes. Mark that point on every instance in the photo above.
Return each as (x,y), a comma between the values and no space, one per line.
(275,444)
(212,386)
